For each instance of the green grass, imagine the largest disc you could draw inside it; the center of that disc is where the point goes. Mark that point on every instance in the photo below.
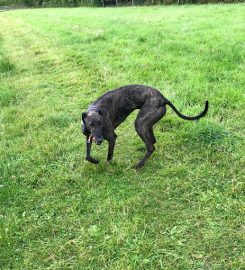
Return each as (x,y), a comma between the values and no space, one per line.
(185,209)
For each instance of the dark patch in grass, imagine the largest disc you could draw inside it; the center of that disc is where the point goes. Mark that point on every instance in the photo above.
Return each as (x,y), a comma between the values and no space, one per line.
(86,40)
(8,97)
(170,124)
(92,39)
(5,64)
(45,64)
(142,39)
(98,38)
(38,52)
(210,134)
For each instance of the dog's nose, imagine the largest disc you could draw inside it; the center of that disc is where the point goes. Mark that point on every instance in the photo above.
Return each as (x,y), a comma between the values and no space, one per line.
(99,141)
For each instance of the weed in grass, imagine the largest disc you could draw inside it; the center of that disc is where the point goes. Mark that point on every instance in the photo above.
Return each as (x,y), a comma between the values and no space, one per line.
(5,64)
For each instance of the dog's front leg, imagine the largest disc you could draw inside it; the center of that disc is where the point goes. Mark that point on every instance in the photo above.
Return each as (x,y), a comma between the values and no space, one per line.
(88,151)
(112,142)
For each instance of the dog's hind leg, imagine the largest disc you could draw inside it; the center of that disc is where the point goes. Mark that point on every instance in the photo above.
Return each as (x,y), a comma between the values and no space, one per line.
(149,149)
(152,139)
(152,136)
(145,120)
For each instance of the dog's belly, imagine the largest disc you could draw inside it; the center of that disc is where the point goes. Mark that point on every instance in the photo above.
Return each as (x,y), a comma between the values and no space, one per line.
(121,115)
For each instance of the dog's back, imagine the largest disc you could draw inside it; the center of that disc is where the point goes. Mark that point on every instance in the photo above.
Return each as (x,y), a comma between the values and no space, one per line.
(122,101)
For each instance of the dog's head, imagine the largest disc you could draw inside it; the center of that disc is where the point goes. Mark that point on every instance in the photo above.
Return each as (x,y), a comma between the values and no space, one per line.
(92,125)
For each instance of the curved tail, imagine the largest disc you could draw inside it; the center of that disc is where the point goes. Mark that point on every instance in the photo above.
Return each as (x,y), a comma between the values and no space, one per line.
(189,117)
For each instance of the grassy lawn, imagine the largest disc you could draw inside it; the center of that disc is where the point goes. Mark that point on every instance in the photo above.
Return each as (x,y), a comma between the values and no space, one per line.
(185,209)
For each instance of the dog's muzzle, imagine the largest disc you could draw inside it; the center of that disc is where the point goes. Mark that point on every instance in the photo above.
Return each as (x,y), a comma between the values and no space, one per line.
(98,141)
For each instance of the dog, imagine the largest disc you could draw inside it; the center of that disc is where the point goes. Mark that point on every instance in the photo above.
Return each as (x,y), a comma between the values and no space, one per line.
(111,109)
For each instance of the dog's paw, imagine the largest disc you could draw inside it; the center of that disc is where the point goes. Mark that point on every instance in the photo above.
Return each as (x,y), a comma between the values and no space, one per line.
(139,166)
(109,161)
(92,160)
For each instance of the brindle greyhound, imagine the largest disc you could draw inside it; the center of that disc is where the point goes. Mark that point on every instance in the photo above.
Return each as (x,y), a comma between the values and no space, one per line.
(112,108)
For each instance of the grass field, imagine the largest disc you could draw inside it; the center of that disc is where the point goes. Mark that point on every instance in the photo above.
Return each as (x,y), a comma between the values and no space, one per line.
(185,209)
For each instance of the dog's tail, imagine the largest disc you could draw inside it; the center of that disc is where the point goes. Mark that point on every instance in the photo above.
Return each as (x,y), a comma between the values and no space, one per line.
(189,117)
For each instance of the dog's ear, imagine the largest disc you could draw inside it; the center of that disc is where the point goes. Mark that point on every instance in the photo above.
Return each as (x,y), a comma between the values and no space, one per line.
(85,130)
(84,115)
